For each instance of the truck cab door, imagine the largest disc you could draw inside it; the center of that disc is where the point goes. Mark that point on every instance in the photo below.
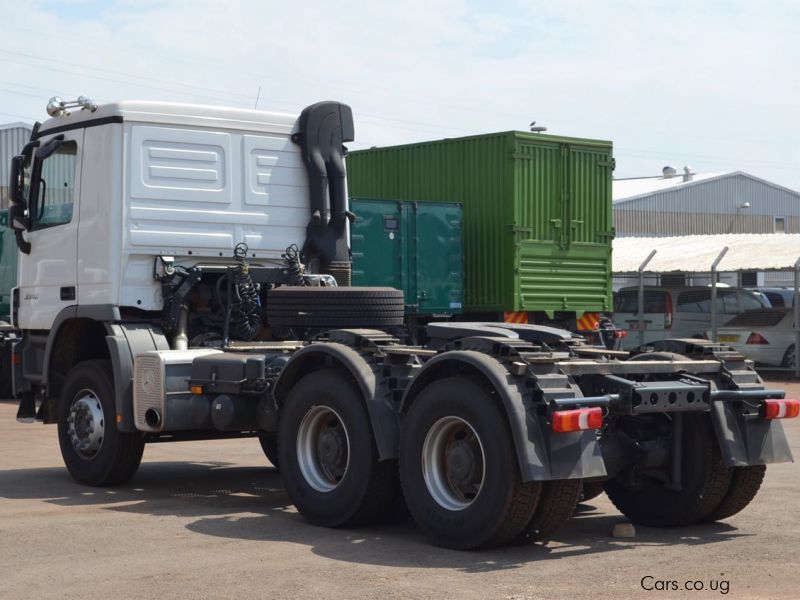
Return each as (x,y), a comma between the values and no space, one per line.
(47,279)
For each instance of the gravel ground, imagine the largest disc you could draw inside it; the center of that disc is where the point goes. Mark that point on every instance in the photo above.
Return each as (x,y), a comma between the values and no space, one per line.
(212,520)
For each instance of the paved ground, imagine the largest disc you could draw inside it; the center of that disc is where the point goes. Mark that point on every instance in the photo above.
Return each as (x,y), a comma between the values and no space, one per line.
(211,520)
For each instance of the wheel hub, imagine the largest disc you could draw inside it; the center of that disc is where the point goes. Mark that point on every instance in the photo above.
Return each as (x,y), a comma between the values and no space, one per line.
(332,451)
(323,448)
(86,424)
(453,463)
(460,462)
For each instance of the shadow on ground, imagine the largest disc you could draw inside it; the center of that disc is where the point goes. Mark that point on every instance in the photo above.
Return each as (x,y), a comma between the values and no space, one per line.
(250,503)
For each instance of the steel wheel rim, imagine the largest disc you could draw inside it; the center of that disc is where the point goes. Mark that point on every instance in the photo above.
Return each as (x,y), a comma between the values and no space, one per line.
(86,424)
(323,448)
(453,463)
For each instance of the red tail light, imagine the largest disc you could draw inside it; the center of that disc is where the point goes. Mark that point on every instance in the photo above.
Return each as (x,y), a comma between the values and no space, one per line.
(781,409)
(620,334)
(668,315)
(579,419)
(756,338)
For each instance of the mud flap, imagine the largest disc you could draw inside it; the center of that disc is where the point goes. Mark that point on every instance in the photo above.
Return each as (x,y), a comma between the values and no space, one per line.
(747,440)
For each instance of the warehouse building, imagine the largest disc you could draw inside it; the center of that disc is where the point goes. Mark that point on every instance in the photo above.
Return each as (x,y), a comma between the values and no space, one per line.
(13,137)
(687,203)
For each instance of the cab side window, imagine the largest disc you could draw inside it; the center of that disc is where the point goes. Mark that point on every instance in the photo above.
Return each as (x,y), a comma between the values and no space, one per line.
(57,188)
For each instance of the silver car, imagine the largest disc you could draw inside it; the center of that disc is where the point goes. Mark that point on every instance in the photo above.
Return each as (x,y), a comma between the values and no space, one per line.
(680,312)
(765,336)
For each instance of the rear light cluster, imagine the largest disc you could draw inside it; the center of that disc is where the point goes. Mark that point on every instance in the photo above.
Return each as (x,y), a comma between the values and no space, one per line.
(579,419)
(781,409)
(756,338)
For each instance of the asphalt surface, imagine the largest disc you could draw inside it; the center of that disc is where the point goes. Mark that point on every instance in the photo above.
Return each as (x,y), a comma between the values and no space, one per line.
(212,520)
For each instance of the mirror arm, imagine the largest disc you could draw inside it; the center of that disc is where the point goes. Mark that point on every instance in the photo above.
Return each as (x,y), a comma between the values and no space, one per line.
(22,243)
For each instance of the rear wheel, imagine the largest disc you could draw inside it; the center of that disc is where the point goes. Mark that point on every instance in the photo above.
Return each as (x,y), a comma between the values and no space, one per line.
(745,483)
(95,452)
(649,500)
(327,454)
(459,469)
(591,489)
(556,505)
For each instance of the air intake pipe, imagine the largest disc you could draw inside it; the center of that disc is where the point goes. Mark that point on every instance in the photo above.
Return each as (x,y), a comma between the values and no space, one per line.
(323,128)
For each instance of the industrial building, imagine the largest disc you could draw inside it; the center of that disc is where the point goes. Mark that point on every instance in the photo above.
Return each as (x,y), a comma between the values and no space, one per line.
(13,137)
(687,203)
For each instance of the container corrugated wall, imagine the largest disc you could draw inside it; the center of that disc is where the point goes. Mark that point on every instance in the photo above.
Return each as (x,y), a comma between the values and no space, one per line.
(12,139)
(543,198)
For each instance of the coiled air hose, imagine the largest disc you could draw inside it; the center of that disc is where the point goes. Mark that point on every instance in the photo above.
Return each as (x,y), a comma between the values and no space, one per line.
(245,313)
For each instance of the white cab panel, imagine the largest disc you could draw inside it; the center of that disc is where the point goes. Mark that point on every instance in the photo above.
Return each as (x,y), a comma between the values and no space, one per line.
(194,193)
(47,277)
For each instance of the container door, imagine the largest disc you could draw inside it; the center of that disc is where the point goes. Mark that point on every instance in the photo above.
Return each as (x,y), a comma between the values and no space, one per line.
(437,257)
(376,244)
(588,213)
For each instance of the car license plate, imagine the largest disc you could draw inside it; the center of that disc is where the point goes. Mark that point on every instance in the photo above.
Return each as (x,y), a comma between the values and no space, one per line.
(728,338)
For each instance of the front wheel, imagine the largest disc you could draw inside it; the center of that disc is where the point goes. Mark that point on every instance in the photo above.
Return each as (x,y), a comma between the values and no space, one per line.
(95,452)
(459,470)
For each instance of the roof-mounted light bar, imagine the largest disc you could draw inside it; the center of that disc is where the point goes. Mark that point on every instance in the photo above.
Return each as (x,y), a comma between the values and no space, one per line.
(57,107)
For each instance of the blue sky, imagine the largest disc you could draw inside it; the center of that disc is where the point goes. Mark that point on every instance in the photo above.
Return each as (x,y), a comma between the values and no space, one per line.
(709,84)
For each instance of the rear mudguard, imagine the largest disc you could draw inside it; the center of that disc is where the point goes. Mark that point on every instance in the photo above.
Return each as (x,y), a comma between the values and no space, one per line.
(542,455)
(748,441)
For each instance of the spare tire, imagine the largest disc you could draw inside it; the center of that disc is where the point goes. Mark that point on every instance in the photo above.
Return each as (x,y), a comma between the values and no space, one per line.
(335,307)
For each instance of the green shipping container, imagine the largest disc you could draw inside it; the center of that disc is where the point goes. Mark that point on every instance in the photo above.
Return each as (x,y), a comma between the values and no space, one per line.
(8,266)
(412,246)
(537,213)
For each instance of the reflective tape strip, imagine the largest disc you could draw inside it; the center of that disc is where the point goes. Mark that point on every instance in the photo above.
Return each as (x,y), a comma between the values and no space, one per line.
(516,317)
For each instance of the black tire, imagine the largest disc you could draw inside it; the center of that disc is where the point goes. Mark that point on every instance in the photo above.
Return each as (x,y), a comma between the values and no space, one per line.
(557,504)
(503,504)
(745,483)
(705,482)
(89,387)
(6,390)
(269,445)
(366,487)
(591,489)
(330,308)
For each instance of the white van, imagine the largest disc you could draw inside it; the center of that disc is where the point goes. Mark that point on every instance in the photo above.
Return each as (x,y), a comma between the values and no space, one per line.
(683,312)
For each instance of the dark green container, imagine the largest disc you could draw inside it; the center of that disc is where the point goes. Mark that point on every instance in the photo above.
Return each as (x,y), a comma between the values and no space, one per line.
(537,213)
(412,246)
(8,266)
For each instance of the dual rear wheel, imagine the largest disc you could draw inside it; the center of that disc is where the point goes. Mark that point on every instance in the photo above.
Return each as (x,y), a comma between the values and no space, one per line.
(459,472)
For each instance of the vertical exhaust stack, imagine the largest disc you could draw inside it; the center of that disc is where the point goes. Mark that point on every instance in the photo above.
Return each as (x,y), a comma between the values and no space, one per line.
(323,128)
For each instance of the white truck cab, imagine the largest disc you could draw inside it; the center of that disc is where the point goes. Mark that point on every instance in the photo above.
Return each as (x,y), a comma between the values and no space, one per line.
(134,180)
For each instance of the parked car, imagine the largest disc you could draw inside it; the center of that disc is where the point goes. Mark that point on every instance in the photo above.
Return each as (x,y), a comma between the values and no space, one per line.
(766,336)
(778,297)
(682,312)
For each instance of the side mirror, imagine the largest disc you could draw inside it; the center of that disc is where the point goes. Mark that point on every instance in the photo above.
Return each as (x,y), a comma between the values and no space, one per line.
(17,220)
(16,186)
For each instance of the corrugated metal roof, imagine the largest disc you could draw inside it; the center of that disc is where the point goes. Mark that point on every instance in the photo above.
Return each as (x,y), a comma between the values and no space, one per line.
(696,253)
(17,125)
(641,187)
(627,189)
